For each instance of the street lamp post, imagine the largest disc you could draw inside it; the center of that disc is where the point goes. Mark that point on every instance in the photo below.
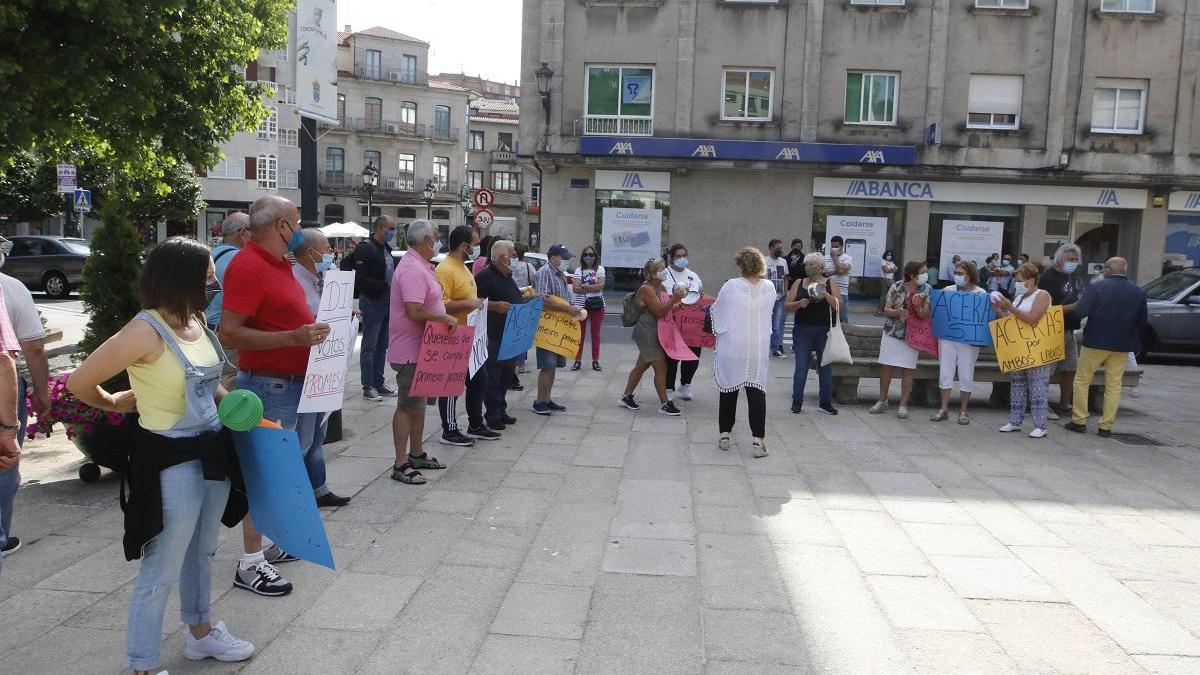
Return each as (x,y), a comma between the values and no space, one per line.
(370,178)
(464,200)
(428,193)
(544,75)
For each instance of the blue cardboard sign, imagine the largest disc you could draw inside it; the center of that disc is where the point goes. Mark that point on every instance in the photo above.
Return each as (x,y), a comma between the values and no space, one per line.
(520,326)
(280,494)
(769,151)
(962,317)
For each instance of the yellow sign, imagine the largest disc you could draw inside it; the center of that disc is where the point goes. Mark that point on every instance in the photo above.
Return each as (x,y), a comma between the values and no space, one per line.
(558,332)
(1020,345)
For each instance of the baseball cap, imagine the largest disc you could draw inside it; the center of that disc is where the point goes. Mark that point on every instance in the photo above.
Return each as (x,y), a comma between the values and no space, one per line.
(561,251)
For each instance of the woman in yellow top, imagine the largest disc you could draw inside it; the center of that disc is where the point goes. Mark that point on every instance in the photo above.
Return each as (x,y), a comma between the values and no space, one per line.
(181,459)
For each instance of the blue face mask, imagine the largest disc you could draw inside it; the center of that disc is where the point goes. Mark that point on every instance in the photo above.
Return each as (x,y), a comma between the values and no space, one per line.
(296,240)
(1069,267)
(390,236)
(681,263)
(325,264)
(960,280)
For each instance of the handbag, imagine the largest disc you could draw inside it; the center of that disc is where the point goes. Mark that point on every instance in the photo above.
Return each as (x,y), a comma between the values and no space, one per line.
(593,303)
(837,350)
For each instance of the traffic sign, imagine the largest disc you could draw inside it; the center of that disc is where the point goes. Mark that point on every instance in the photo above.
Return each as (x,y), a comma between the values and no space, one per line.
(484,198)
(484,218)
(83,201)
(66,178)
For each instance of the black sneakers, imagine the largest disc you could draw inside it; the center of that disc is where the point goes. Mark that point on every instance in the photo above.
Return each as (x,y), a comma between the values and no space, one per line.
(456,438)
(483,433)
(556,407)
(827,408)
(329,500)
(628,401)
(262,579)
(669,408)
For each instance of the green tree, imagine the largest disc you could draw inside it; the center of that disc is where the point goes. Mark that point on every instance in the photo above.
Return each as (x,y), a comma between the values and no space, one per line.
(110,280)
(28,189)
(132,82)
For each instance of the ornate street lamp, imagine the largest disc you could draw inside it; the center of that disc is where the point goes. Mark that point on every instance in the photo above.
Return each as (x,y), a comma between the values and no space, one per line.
(464,200)
(428,193)
(543,85)
(370,178)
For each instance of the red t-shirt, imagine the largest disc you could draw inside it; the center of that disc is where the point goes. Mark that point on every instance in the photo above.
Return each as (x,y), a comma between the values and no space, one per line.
(262,287)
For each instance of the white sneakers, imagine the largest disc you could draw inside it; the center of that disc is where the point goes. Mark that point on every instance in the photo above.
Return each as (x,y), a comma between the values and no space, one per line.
(219,644)
(1038,433)
(685,392)
(1009,427)
(723,442)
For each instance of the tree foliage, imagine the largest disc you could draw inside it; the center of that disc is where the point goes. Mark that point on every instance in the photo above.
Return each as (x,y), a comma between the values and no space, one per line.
(110,280)
(132,82)
(28,189)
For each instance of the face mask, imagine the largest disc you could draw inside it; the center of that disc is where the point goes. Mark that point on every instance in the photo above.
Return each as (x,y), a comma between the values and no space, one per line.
(813,270)
(887,258)
(1007,261)
(211,290)
(836,250)
(1019,287)
(326,263)
(960,280)
(922,278)
(1069,267)
(296,241)
(589,258)
(390,236)
(681,263)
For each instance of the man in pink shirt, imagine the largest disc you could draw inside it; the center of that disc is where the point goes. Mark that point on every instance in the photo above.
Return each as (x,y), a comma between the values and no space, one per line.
(416,297)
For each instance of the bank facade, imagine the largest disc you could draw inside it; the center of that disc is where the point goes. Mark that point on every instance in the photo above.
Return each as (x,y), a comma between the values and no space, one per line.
(917,128)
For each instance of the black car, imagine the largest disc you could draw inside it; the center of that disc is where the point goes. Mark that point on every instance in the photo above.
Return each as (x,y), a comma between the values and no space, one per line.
(50,264)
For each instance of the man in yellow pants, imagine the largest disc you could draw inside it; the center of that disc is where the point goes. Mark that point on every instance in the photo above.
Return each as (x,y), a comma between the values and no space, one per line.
(1116,313)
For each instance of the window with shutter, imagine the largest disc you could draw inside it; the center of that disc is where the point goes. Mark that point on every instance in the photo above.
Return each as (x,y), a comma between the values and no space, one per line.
(994,102)
(251,167)
(252,70)
(271,74)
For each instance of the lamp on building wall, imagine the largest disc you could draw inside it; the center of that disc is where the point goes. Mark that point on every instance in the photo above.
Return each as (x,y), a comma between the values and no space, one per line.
(370,177)
(428,194)
(464,200)
(543,85)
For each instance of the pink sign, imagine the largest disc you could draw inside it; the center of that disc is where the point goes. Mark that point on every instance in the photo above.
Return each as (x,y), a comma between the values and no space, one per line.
(918,333)
(672,341)
(690,319)
(443,359)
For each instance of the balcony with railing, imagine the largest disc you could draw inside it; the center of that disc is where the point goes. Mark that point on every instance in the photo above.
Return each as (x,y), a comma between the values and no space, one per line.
(402,182)
(340,127)
(618,125)
(504,157)
(385,69)
(440,133)
(338,179)
(374,125)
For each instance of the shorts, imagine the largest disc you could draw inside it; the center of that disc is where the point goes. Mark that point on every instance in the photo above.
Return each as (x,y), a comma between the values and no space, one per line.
(1070,361)
(548,359)
(404,379)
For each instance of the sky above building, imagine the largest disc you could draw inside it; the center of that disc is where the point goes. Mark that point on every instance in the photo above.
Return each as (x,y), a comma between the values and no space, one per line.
(475,37)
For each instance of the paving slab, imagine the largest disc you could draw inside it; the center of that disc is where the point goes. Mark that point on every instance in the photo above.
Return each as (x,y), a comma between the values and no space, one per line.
(656,557)
(509,654)
(543,610)
(643,624)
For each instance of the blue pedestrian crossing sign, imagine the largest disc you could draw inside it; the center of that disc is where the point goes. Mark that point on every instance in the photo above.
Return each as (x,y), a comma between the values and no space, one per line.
(83,201)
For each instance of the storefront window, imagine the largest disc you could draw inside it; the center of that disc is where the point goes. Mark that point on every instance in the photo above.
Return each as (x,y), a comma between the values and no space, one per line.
(883,230)
(979,243)
(1183,241)
(628,278)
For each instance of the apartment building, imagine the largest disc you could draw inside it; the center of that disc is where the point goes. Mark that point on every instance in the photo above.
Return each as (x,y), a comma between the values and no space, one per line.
(492,128)
(904,125)
(266,161)
(393,117)
(481,87)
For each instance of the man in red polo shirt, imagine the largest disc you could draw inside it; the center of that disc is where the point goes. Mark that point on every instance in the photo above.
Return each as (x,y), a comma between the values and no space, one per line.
(265,316)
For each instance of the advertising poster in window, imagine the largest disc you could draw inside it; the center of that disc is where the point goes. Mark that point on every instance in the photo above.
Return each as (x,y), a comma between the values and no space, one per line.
(316,59)
(631,236)
(635,88)
(970,239)
(865,238)
(1183,240)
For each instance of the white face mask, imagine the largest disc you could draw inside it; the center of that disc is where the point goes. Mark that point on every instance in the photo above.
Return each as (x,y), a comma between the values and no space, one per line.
(922,278)
(1019,287)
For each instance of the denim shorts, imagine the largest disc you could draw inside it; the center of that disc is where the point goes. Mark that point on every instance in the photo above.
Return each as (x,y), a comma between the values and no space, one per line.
(548,359)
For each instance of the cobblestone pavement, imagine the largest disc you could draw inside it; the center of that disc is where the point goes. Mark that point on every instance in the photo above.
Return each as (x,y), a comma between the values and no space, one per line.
(607,541)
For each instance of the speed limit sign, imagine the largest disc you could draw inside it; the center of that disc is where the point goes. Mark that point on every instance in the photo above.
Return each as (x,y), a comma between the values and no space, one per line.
(484,198)
(484,218)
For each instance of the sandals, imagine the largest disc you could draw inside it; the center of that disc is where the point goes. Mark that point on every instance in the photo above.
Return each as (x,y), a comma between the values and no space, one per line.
(424,461)
(760,448)
(963,419)
(406,474)
(940,416)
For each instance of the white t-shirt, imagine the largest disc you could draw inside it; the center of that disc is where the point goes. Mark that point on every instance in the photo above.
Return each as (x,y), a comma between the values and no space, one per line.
(588,277)
(842,281)
(777,273)
(22,313)
(672,277)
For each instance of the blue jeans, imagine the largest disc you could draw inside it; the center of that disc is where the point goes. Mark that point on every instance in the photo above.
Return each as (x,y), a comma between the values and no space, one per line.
(11,480)
(311,428)
(778,317)
(280,398)
(844,312)
(806,340)
(372,357)
(181,554)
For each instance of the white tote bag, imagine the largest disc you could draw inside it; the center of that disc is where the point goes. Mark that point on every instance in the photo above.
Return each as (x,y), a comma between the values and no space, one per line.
(837,350)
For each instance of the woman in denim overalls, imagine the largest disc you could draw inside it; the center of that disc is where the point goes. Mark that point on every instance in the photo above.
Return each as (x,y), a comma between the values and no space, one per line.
(180,463)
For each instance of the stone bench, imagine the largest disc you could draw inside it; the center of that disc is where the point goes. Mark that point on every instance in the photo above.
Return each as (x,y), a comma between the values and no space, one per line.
(864,347)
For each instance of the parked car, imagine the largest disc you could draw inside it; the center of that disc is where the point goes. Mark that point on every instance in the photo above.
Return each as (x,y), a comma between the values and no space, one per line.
(1174,303)
(45,263)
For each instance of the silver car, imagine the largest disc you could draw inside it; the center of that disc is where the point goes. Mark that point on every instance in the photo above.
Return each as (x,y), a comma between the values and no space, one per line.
(1174,303)
(46,263)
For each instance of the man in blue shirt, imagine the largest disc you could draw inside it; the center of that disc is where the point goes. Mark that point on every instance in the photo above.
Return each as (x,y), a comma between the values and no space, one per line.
(1116,313)
(235,232)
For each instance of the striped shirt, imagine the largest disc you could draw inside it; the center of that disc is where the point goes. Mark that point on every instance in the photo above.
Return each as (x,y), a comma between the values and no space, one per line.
(549,280)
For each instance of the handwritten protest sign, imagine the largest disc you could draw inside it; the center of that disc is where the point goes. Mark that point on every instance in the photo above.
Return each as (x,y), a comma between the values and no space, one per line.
(325,377)
(690,319)
(479,348)
(520,324)
(1020,345)
(558,333)
(280,494)
(442,362)
(918,333)
(672,340)
(962,317)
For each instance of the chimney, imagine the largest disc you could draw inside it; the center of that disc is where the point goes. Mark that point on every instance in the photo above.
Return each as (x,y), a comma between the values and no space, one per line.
(347,29)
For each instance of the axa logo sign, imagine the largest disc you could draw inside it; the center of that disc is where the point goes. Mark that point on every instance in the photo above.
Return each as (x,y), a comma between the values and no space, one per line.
(705,150)
(621,148)
(632,179)
(890,188)
(1193,201)
(1108,198)
(872,157)
(790,154)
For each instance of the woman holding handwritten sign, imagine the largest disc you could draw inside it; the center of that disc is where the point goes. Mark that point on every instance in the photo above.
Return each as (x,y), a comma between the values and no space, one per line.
(911,294)
(958,356)
(1029,385)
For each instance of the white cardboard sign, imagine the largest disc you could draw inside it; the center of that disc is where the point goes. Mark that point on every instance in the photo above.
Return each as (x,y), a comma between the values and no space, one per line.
(479,347)
(325,377)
